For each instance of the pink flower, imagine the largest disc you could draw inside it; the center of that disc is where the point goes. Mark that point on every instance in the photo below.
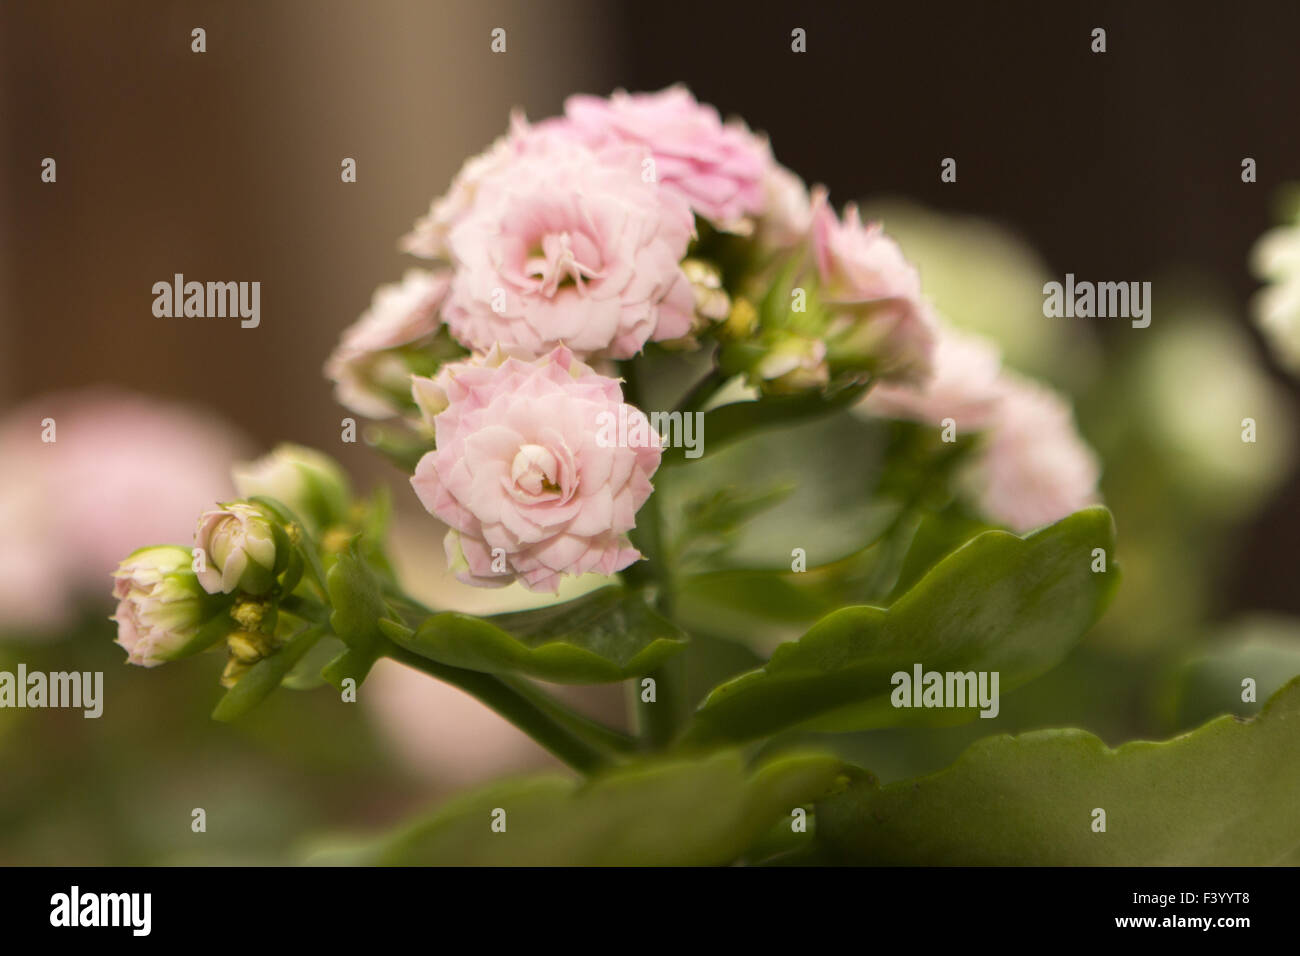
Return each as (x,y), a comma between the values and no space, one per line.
(718,169)
(429,237)
(787,209)
(521,474)
(160,605)
(965,385)
(567,246)
(874,293)
(364,367)
(1034,468)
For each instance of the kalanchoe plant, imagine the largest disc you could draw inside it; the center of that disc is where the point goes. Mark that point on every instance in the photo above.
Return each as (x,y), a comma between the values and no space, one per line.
(875,489)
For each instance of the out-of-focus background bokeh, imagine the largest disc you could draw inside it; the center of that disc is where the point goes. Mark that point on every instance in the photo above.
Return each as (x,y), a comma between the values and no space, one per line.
(225,165)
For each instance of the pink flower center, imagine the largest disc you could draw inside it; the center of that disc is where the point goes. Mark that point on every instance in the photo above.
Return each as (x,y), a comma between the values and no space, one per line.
(535,473)
(563,258)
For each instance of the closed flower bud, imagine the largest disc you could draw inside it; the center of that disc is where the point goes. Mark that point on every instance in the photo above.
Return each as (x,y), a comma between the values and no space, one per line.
(310,483)
(239,548)
(792,364)
(161,606)
(712,304)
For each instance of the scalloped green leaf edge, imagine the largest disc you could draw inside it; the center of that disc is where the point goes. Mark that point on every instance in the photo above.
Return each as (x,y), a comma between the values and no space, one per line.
(1224,794)
(670,812)
(493,646)
(1039,587)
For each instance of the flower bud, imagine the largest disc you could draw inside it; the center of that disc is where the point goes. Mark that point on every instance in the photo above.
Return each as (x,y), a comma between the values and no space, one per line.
(712,303)
(310,483)
(239,546)
(161,606)
(792,363)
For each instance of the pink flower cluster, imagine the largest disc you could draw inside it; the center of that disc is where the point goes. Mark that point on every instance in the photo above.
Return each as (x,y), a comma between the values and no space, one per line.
(572,231)
(565,243)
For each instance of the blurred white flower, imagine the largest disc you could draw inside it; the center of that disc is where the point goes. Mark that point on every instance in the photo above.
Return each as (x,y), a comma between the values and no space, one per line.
(1276,259)
(1198,429)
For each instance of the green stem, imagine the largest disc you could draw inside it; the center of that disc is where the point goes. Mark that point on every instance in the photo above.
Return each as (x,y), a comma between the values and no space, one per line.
(515,707)
(590,730)
(663,719)
(658,723)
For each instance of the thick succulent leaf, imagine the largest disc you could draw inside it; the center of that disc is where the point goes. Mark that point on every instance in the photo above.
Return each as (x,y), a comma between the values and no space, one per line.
(1263,650)
(749,505)
(660,813)
(1000,603)
(1224,794)
(306,674)
(728,423)
(936,537)
(762,608)
(607,635)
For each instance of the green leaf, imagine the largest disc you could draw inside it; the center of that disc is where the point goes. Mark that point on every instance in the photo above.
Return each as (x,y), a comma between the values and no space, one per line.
(759,608)
(306,674)
(1223,795)
(999,603)
(608,635)
(727,423)
(813,487)
(264,677)
(937,536)
(655,813)
(358,603)
(1265,649)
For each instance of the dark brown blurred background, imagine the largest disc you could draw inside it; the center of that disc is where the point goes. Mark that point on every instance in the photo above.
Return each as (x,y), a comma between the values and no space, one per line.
(225,165)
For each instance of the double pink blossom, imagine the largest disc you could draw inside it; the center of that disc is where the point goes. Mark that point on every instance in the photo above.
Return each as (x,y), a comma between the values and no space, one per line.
(520,473)
(570,246)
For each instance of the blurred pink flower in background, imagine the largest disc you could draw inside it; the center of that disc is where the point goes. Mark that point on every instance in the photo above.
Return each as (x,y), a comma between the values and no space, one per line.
(441,733)
(123,470)
(964,385)
(1030,466)
(1035,468)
